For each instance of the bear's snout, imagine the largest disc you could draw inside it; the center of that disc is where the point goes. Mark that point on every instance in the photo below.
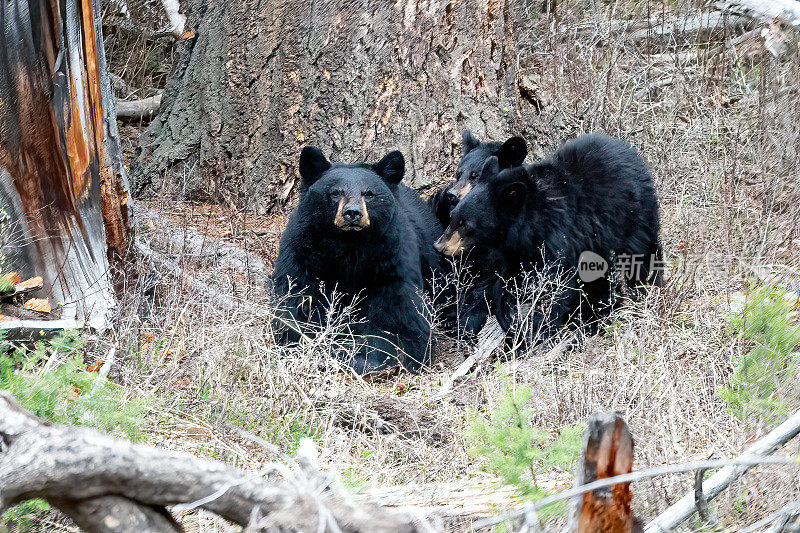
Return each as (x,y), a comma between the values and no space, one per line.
(351,215)
(458,192)
(451,244)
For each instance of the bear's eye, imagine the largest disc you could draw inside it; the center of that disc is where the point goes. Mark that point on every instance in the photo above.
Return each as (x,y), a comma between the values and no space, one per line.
(368,194)
(473,175)
(337,193)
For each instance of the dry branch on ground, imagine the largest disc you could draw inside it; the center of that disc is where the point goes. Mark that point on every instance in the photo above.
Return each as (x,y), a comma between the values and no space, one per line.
(106,484)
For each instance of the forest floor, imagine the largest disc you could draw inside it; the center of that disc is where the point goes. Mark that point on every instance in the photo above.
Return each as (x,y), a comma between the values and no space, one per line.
(722,134)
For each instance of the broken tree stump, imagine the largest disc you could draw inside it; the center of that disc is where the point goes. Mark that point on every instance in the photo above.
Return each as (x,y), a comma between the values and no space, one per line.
(63,190)
(608,452)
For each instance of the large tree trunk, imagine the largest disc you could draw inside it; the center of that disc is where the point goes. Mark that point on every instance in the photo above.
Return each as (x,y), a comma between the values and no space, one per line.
(63,198)
(260,78)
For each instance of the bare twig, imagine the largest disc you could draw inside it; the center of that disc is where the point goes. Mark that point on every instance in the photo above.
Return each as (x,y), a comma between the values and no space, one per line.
(779,517)
(700,499)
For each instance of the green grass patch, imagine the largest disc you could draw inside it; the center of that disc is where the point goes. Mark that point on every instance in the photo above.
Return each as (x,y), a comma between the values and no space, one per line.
(52,382)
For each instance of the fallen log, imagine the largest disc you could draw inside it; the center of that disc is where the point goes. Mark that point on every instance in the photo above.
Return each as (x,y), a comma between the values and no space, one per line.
(763,10)
(110,485)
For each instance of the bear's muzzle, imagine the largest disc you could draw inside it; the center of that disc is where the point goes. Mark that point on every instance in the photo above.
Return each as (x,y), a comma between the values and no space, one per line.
(351,216)
(450,245)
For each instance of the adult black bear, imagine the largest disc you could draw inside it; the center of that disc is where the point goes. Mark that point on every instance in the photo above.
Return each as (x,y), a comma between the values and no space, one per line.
(473,155)
(593,196)
(360,232)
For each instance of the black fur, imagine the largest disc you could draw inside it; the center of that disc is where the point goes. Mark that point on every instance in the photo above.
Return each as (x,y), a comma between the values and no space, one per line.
(387,264)
(594,194)
(473,155)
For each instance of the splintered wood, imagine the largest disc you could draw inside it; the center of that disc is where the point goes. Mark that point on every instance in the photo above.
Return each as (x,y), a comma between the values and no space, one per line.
(608,452)
(13,277)
(40,305)
(28,285)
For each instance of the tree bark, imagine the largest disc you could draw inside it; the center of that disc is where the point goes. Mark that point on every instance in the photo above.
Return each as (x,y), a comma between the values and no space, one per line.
(63,192)
(262,78)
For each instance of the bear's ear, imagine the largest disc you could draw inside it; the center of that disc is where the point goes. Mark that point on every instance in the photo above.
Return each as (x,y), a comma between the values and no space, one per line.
(312,164)
(468,142)
(491,168)
(513,195)
(512,153)
(391,168)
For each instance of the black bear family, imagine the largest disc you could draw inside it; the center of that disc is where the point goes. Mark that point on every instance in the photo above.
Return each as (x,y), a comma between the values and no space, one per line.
(358,232)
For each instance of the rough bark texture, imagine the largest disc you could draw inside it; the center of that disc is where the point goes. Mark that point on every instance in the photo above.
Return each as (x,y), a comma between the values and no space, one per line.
(262,78)
(109,485)
(63,196)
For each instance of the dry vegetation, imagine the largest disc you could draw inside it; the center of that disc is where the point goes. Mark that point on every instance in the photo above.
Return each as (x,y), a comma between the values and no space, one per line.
(722,134)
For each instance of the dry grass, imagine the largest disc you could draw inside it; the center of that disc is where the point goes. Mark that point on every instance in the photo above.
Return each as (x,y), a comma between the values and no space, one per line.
(723,139)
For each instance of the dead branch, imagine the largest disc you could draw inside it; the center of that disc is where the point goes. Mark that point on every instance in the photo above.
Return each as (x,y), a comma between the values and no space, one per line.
(700,498)
(670,28)
(107,485)
(489,338)
(741,461)
(24,330)
(138,110)
(220,299)
(714,485)
(678,29)
(763,10)
(779,519)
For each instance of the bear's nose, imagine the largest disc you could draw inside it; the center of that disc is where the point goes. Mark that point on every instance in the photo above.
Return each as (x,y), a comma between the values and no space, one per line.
(451,196)
(352,214)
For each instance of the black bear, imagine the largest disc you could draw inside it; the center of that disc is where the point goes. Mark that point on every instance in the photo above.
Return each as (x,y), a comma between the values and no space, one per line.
(473,155)
(360,232)
(469,311)
(581,211)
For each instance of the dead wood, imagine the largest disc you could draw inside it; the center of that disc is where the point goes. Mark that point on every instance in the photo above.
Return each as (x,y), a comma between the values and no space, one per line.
(62,181)
(106,484)
(607,452)
(762,10)
(138,110)
(713,486)
(489,339)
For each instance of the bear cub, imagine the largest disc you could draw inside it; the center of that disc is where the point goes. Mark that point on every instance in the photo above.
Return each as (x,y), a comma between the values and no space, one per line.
(470,314)
(473,155)
(595,194)
(359,232)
